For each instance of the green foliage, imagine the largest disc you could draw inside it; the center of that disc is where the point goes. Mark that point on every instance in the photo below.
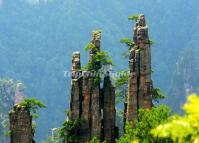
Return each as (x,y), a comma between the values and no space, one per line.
(34,125)
(122,79)
(69,131)
(128,136)
(32,105)
(129,43)
(7,133)
(103,57)
(152,42)
(133,17)
(96,80)
(158,95)
(99,59)
(146,121)
(95,140)
(182,129)
(90,46)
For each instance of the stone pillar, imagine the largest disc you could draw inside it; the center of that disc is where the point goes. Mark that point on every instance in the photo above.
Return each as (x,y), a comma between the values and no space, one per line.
(95,90)
(76,88)
(125,116)
(91,106)
(21,125)
(96,112)
(86,108)
(132,105)
(87,102)
(109,112)
(140,83)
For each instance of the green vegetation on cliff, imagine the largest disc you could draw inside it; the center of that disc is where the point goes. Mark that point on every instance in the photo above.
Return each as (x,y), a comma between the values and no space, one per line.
(146,121)
(32,105)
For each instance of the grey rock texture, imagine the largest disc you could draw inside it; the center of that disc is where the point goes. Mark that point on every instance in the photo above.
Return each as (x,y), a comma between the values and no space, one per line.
(21,125)
(93,105)
(140,84)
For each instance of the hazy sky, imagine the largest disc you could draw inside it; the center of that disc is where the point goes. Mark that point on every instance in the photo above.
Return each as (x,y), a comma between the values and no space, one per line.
(36,1)
(1,2)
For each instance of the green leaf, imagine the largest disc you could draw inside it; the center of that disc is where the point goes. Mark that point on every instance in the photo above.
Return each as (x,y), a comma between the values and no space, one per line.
(127,41)
(32,105)
(158,94)
(7,133)
(133,17)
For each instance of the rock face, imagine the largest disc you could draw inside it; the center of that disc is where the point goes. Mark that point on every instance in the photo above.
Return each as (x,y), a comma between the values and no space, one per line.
(140,83)
(93,105)
(76,87)
(21,125)
(95,89)
(109,112)
(86,108)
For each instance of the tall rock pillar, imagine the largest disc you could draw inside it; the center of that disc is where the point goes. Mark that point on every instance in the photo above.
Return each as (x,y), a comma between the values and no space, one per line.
(21,125)
(95,89)
(140,83)
(109,112)
(86,108)
(76,88)
(93,105)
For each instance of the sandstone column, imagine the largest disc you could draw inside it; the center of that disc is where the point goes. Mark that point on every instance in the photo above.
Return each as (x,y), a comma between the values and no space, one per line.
(95,89)
(86,108)
(76,88)
(87,100)
(109,112)
(140,83)
(21,125)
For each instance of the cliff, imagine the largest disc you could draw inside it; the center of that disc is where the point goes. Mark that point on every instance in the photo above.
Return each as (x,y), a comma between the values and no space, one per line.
(92,104)
(21,125)
(140,84)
